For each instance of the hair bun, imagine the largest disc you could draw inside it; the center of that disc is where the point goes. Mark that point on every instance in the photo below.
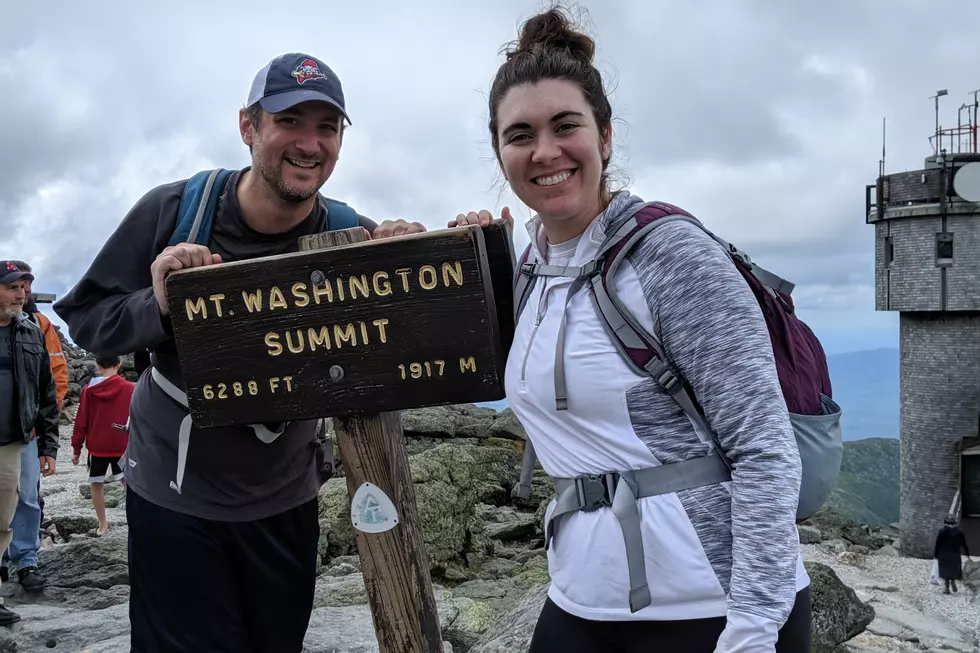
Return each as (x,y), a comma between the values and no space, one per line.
(553,30)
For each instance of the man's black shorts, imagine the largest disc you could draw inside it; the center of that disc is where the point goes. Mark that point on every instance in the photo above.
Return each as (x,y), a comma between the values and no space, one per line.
(99,465)
(220,587)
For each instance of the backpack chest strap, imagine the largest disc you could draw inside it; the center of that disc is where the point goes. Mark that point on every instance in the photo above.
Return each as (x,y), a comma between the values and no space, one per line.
(620,492)
(580,275)
(573,272)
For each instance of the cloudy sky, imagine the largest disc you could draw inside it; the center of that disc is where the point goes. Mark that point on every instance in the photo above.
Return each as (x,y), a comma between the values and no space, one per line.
(762,117)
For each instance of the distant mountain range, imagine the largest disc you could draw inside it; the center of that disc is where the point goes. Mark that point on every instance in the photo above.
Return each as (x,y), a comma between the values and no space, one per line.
(867,489)
(865,385)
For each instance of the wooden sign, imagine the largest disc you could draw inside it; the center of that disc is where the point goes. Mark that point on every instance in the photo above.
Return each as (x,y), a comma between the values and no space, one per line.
(407,322)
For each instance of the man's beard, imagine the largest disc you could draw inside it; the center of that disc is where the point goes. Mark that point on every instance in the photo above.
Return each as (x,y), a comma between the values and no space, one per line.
(273,177)
(10,311)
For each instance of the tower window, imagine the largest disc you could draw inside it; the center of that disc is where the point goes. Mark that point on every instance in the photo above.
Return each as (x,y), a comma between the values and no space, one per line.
(889,250)
(944,249)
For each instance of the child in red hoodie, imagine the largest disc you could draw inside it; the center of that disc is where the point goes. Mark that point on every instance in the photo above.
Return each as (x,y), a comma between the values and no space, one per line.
(103,407)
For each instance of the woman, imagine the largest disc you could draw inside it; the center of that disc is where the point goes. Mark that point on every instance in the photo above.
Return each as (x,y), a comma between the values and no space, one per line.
(723,566)
(949,542)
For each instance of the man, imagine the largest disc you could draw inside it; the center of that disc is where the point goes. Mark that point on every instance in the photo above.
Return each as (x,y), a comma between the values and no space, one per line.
(26,525)
(59,364)
(223,543)
(28,400)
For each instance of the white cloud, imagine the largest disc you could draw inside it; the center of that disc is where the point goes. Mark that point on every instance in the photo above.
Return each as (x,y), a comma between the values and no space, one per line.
(762,117)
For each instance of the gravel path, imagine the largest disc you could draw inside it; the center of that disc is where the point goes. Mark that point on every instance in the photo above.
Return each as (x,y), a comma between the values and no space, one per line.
(902,583)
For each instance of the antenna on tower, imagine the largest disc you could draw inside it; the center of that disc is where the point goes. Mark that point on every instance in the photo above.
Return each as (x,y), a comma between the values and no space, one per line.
(939,94)
(974,122)
(881,164)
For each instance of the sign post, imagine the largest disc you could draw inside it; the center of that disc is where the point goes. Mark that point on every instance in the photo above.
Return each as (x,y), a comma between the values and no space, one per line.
(356,330)
(394,563)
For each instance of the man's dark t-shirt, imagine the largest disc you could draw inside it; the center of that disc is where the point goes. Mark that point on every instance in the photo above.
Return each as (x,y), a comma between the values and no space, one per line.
(230,474)
(10,430)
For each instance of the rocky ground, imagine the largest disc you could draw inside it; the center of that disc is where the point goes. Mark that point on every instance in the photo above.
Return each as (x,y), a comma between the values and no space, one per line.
(910,613)
(487,561)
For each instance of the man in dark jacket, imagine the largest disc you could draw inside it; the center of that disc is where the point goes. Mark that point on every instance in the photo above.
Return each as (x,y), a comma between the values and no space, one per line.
(223,527)
(28,399)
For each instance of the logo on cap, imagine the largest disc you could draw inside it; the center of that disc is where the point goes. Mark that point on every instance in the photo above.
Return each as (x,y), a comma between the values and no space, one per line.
(12,267)
(306,71)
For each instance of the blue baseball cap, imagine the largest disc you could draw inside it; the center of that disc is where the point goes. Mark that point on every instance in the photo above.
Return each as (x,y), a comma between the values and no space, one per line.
(292,78)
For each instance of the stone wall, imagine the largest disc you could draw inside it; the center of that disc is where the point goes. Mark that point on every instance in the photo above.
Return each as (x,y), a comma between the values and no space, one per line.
(913,186)
(913,281)
(940,399)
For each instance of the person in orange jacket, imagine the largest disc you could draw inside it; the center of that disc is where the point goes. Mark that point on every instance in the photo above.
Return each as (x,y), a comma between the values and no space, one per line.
(26,525)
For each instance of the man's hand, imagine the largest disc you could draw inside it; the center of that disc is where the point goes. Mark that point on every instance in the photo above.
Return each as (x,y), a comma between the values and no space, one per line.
(391,228)
(48,465)
(178,257)
(74,460)
(482,218)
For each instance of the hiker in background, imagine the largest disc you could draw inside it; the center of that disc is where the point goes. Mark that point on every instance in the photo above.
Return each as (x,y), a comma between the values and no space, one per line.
(22,554)
(230,516)
(28,401)
(714,568)
(103,411)
(52,342)
(949,542)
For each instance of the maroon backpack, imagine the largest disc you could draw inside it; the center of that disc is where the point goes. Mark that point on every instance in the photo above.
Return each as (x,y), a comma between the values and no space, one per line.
(800,360)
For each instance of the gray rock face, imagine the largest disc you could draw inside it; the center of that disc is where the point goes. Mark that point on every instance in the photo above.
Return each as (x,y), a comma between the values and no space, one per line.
(512,633)
(88,562)
(838,614)
(809,534)
(840,534)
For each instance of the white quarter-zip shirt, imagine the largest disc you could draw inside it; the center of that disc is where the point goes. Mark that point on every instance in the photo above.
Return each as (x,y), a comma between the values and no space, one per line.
(728,549)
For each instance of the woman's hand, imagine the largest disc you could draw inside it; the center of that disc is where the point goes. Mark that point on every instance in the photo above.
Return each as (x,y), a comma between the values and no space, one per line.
(482,218)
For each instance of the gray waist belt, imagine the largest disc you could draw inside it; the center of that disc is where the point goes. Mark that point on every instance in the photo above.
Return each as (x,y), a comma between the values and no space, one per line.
(620,491)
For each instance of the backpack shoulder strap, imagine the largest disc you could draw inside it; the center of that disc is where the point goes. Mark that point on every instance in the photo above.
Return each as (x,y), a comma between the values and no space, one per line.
(198,204)
(523,282)
(340,215)
(642,350)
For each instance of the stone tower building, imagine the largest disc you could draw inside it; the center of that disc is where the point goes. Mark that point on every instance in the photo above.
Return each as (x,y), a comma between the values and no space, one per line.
(927,267)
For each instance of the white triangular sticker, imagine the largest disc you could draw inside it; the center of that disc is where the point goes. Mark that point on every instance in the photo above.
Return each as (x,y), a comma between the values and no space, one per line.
(371,511)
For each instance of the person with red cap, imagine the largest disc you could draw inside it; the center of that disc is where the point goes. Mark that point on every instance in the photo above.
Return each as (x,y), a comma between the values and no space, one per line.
(28,399)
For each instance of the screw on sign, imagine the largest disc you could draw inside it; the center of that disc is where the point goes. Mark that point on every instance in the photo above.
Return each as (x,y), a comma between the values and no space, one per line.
(356,330)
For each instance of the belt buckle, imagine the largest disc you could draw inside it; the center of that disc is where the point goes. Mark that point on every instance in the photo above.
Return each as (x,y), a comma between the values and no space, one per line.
(593,493)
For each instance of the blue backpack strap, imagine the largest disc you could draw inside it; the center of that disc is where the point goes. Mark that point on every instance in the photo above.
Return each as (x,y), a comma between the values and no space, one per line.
(340,215)
(198,204)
